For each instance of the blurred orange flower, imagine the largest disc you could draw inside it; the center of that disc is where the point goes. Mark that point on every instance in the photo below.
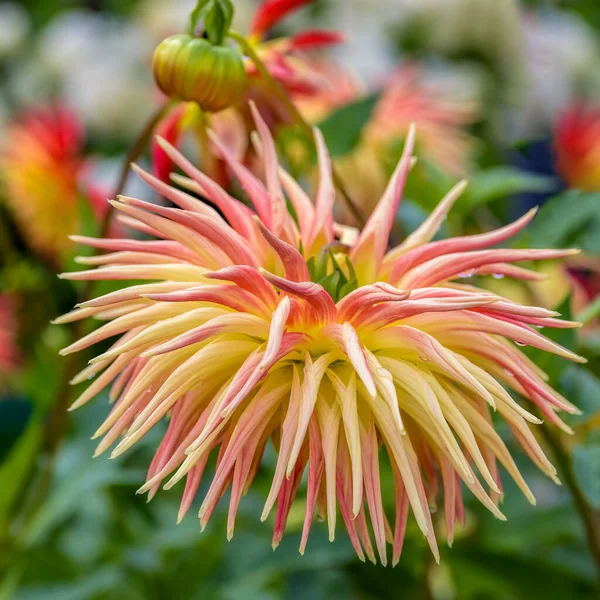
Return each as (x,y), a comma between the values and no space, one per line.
(43,171)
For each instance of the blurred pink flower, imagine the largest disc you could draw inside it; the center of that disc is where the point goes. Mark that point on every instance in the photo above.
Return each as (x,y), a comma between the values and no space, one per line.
(405,98)
(441,123)
(258,327)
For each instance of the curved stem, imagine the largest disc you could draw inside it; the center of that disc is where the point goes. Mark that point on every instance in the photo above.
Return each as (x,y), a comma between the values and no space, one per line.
(298,119)
(588,518)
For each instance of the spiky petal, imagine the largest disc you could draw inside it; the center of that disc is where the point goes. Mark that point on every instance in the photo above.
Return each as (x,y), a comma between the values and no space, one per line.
(258,328)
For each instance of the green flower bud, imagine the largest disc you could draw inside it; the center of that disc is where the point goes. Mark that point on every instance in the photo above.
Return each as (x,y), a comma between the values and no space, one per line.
(194,70)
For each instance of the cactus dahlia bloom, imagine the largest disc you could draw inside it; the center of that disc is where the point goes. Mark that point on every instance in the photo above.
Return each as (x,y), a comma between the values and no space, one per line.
(263,328)
(43,172)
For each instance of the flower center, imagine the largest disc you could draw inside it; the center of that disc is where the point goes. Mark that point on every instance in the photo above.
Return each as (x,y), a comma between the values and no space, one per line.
(332,269)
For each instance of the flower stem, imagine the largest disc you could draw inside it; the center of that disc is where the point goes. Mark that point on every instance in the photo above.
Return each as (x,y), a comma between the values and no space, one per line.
(587,515)
(297,118)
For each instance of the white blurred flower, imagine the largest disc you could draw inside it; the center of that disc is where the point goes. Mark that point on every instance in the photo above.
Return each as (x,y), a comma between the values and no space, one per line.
(14,25)
(160,19)
(102,64)
(367,50)
(491,28)
(561,53)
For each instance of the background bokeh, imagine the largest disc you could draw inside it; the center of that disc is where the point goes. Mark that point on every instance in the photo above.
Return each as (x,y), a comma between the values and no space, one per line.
(506,93)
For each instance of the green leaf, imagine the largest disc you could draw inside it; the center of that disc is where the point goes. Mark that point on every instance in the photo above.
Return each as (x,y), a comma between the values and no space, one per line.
(198,14)
(16,467)
(342,129)
(331,283)
(586,462)
(481,573)
(569,219)
(337,266)
(350,267)
(78,474)
(500,182)
(582,388)
(348,287)
(218,21)
(217,16)
(89,585)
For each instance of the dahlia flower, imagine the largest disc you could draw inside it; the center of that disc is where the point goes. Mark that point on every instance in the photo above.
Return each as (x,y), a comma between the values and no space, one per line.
(43,172)
(577,147)
(262,327)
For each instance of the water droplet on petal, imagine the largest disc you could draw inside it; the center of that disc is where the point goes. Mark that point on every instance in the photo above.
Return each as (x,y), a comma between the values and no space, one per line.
(466,274)
(520,343)
(509,373)
(91,376)
(498,275)
(539,326)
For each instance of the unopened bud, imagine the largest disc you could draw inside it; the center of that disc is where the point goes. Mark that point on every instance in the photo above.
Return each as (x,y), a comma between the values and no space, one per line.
(195,70)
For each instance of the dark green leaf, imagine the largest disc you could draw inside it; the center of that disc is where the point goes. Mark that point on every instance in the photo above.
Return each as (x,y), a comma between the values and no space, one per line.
(586,462)
(14,417)
(500,182)
(570,219)
(343,128)
(331,283)
(198,14)
(218,20)
(582,388)
(16,467)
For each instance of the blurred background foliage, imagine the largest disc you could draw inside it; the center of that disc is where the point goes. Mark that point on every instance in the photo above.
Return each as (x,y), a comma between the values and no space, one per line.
(523,82)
